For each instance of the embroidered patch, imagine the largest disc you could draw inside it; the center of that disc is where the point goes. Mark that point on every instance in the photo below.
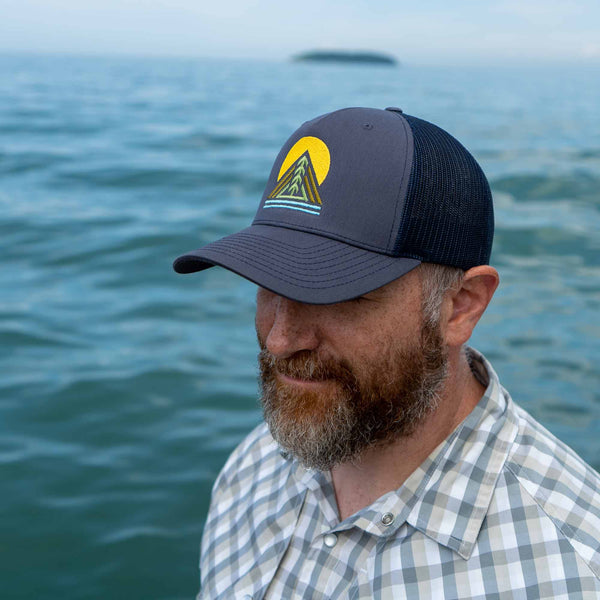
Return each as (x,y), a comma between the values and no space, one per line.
(304,169)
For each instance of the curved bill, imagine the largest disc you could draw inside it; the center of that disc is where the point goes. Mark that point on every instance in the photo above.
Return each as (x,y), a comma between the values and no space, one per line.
(297,264)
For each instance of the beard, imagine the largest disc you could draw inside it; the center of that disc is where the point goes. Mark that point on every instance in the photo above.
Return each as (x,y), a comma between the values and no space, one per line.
(373,404)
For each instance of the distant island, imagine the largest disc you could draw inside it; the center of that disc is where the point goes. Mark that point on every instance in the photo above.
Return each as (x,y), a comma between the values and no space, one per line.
(345,56)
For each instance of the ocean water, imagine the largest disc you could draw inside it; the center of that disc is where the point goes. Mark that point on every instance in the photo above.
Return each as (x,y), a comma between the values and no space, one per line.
(124,386)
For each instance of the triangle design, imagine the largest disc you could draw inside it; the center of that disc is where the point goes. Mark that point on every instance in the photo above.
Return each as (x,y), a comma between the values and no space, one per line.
(297,189)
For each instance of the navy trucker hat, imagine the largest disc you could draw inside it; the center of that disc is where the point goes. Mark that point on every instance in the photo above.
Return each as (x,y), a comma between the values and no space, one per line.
(357,198)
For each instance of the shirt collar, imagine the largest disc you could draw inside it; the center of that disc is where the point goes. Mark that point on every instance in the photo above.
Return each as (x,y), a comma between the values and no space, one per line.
(454,487)
(448,495)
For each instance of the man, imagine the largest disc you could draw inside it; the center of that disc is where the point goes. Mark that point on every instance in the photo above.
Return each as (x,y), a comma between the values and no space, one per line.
(392,463)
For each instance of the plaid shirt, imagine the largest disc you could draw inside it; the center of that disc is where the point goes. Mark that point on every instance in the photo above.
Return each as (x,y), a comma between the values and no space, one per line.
(501,509)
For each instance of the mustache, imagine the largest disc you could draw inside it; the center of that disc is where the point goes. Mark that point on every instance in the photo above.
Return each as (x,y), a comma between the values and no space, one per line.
(305,365)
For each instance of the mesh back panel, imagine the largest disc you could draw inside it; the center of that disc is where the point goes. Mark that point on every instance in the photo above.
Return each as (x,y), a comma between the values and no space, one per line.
(448,216)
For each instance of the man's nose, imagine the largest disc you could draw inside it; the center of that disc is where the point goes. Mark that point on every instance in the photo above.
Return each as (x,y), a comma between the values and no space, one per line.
(292,330)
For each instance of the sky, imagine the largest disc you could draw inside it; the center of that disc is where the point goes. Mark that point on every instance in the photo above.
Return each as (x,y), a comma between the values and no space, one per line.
(436,31)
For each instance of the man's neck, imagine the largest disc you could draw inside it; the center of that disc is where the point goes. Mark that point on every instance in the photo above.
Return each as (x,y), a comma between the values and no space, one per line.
(381,470)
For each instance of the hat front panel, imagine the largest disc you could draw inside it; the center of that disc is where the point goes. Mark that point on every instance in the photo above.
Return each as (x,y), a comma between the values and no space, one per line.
(342,176)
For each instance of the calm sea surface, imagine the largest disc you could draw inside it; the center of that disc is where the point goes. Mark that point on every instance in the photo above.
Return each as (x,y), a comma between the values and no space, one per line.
(124,386)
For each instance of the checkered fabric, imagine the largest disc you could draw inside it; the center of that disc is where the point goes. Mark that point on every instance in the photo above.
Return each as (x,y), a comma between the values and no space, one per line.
(500,510)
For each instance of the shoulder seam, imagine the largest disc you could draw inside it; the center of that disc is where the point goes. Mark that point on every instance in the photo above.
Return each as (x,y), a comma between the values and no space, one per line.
(568,534)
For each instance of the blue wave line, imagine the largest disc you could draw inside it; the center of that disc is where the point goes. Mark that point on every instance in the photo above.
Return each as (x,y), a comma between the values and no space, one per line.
(282,205)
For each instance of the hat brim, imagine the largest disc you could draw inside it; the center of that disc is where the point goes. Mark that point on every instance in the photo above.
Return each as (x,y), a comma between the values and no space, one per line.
(298,265)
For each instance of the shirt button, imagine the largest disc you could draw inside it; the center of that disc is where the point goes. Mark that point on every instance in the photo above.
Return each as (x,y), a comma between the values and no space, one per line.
(246,597)
(387,519)
(330,540)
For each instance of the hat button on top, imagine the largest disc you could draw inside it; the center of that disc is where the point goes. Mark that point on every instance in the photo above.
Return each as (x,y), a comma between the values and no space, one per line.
(394,109)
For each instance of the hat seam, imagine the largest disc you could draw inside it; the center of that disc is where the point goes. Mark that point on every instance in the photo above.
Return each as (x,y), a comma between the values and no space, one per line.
(329,266)
(309,265)
(282,249)
(235,253)
(327,234)
(286,245)
(395,225)
(284,275)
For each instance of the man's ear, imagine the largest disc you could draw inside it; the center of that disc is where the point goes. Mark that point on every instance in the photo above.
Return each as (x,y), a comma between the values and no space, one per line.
(465,306)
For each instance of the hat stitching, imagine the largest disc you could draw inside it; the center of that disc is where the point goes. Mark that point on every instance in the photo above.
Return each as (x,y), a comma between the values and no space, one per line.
(233,250)
(320,232)
(312,258)
(394,226)
(285,276)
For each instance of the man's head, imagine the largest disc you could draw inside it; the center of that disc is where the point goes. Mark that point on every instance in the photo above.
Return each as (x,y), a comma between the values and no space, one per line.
(343,378)
(356,342)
